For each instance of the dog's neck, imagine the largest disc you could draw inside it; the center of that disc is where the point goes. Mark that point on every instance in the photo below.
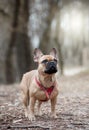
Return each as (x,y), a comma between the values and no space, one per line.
(46,80)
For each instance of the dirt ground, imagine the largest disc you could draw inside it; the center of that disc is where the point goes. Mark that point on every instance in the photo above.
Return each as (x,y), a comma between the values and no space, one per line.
(72,107)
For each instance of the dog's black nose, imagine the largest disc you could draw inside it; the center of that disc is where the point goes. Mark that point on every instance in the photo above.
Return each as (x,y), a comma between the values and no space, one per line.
(51,67)
(51,64)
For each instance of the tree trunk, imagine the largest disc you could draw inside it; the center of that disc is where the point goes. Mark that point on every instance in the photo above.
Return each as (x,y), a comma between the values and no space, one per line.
(20,42)
(60,56)
(45,41)
(10,77)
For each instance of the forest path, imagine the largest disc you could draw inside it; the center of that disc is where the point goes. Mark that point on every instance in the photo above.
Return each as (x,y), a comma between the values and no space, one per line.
(72,107)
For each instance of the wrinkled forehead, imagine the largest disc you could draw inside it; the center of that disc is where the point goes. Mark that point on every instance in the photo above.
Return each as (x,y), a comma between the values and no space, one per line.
(47,57)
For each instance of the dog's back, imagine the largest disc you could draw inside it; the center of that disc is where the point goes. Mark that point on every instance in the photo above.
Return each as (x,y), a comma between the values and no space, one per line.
(27,78)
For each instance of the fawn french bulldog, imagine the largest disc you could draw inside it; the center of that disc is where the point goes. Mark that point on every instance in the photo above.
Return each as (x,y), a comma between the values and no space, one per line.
(41,84)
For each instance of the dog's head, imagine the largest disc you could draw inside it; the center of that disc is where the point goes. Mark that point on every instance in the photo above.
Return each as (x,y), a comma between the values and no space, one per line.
(47,64)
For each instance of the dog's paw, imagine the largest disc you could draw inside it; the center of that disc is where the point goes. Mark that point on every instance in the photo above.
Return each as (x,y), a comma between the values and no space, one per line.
(31,117)
(54,116)
(26,114)
(38,113)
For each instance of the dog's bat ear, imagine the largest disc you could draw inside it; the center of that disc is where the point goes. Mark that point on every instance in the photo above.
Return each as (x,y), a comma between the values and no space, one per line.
(54,53)
(37,54)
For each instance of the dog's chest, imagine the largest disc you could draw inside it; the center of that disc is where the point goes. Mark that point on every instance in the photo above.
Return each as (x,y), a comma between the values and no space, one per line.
(40,95)
(45,96)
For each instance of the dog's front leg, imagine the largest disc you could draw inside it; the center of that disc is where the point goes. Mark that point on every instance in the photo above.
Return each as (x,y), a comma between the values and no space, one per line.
(53,104)
(39,105)
(31,115)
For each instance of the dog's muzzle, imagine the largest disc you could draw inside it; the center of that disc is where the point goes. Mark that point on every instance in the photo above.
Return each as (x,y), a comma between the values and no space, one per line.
(51,67)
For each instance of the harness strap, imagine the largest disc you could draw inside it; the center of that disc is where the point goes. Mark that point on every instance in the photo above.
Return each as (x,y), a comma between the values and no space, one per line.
(47,91)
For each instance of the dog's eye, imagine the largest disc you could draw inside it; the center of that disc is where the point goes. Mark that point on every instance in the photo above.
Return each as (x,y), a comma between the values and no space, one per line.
(44,61)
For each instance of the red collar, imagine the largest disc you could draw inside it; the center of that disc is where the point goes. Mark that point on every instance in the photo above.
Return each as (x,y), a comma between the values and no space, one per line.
(47,91)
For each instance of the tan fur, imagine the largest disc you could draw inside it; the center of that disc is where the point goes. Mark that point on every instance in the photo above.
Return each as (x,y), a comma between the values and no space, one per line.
(31,92)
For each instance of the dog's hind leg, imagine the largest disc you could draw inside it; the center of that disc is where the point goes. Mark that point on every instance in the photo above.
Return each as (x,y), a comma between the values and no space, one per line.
(25,101)
(24,94)
(26,104)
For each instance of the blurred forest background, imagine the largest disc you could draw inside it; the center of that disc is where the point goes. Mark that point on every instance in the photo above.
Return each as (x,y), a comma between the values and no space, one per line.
(26,24)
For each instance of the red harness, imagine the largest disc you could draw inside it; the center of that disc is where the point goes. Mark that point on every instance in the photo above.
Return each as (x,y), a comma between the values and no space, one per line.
(47,91)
